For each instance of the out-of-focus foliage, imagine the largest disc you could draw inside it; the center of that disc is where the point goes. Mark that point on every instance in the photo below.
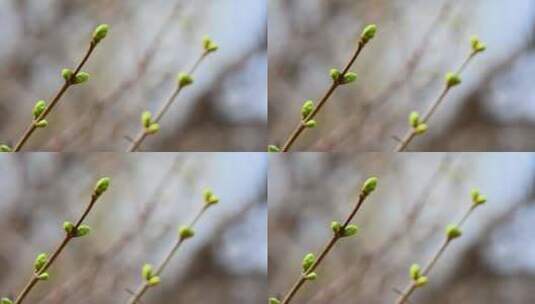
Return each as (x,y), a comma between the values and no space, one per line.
(403,223)
(135,70)
(402,70)
(135,222)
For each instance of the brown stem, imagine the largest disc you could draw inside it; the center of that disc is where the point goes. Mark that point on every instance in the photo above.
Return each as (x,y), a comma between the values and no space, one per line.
(140,137)
(31,128)
(68,237)
(144,287)
(301,281)
(301,127)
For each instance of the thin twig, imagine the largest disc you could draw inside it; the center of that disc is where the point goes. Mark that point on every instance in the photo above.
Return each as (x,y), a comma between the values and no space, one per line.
(411,134)
(145,286)
(68,237)
(32,127)
(403,298)
(336,236)
(140,137)
(301,126)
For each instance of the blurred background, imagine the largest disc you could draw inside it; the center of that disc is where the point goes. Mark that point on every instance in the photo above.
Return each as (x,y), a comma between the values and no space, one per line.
(403,223)
(134,70)
(135,222)
(402,70)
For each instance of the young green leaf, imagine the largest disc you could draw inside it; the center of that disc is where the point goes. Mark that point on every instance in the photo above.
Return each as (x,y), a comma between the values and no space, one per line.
(452,80)
(39,108)
(146,119)
(350,230)
(153,129)
(5,300)
(100,32)
(209,45)
(273,148)
(184,80)
(41,124)
(67,74)
(209,197)
(369,185)
(307,108)
(40,262)
(83,230)
(68,227)
(186,232)
(349,77)
(453,231)
(5,148)
(308,260)
(81,78)
(102,185)
(477,45)
(368,33)
(146,272)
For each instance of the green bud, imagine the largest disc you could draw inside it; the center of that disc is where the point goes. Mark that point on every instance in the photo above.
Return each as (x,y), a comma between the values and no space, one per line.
(307,108)
(153,281)
(311,276)
(349,77)
(40,262)
(368,33)
(273,148)
(83,230)
(81,78)
(41,124)
(102,185)
(421,281)
(477,45)
(414,119)
(270,301)
(336,227)
(453,232)
(146,272)
(43,276)
(420,129)
(452,79)
(209,197)
(67,74)
(350,230)
(185,232)
(184,80)
(308,260)
(335,74)
(477,197)
(39,108)
(369,185)
(209,45)
(311,124)
(5,148)
(146,119)
(100,32)
(153,128)
(8,301)
(68,227)
(415,272)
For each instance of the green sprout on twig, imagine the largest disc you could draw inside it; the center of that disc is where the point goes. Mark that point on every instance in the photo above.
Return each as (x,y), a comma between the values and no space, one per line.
(418,125)
(150,274)
(419,276)
(309,262)
(41,109)
(339,78)
(151,126)
(43,260)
